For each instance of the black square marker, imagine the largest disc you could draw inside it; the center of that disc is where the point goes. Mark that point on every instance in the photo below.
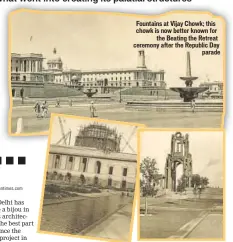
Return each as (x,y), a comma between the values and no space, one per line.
(0,160)
(9,160)
(21,160)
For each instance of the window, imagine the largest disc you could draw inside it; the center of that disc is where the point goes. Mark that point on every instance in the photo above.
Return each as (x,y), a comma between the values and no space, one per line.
(123,184)
(57,162)
(70,163)
(110,172)
(178,147)
(84,164)
(110,182)
(98,167)
(125,172)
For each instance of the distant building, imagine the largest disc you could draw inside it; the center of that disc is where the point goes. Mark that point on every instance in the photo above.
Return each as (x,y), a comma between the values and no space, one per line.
(140,76)
(97,157)
(27,73)
(55,73)
(215,88)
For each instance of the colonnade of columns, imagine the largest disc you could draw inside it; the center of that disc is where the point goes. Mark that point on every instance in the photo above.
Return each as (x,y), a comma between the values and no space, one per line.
(29,65)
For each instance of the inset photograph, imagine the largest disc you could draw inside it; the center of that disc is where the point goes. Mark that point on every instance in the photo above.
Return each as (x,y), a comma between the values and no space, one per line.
(116,67)
(181,185)
(89,178)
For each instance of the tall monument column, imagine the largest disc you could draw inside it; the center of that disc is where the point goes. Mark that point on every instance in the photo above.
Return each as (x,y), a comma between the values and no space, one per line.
(141,59)
(180,156)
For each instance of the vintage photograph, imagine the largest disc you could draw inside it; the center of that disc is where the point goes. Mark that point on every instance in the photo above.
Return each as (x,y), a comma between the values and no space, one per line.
(181,185)
(90,178)
(111,68)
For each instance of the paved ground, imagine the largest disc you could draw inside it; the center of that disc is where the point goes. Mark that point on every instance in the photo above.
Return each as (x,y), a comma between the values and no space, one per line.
(117,226)
(181,218)
(210,227)
(116,111)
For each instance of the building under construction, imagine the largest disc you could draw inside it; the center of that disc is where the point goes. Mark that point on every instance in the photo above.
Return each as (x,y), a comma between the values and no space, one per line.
(97,155)
(99,136)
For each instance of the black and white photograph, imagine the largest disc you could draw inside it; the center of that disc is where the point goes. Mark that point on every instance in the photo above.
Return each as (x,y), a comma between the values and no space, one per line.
(181,185)
(163,71)
(90,179)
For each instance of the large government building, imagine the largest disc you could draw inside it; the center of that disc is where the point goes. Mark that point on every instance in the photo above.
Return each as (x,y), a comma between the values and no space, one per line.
(96,157)
(28,77)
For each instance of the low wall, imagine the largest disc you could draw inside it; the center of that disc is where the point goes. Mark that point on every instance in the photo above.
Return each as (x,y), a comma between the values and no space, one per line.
(167,105)
(73,216)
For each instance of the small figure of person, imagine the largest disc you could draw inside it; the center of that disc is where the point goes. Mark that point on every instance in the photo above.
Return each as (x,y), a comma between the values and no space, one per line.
(70,103)
(44,109)
(92,109)
(58,103)
(193,105)
(37,109)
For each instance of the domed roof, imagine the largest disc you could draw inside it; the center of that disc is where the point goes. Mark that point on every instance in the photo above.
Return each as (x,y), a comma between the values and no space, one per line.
(56,58)
(74,78)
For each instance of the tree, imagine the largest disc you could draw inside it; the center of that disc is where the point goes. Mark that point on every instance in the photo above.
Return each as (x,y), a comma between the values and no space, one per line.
(204,181)
(82,178)
(96,180)
(195,180)
(149,177)
(69,176)
(182,184)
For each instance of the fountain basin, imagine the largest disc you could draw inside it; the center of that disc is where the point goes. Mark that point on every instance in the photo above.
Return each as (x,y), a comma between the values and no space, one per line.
(89,92)
(189,93)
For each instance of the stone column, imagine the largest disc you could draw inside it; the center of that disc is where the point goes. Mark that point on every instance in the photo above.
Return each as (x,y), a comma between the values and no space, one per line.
(169,178)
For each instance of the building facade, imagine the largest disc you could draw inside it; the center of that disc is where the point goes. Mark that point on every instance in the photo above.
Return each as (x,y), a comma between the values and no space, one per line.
(27,72)
(140,76)
(115,169)
(215,88)
(26,67)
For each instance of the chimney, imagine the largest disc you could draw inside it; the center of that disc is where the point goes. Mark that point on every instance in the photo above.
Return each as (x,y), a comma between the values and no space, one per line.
(141,59)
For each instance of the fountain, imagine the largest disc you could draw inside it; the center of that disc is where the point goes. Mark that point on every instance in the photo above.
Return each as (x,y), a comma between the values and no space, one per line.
(89,92)
(189,92)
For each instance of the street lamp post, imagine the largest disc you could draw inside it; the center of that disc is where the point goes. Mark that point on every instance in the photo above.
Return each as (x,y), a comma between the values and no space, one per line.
(120,92)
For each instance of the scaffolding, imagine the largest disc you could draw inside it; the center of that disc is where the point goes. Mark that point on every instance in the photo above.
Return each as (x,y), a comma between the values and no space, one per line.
(99,136)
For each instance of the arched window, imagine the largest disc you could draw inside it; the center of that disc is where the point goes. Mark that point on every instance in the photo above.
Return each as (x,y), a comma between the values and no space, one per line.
(13,92)
(84,165)
(125,170)
(70,163)
(110,172)
(98,167)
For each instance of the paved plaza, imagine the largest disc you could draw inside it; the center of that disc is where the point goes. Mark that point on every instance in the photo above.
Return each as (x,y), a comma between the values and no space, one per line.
(182,218)
(117,111)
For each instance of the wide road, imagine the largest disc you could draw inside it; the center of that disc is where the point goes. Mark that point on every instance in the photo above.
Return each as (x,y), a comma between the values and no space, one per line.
(117,111)
(209,227)
(170,217)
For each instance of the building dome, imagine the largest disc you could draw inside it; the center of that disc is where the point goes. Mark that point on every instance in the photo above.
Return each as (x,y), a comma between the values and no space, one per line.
(55,59)
(74,78)
(55,63)
(100,137)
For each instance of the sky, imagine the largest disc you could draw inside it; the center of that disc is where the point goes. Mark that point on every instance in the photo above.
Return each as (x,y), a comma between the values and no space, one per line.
(128,131)
(95,41)
(206,149)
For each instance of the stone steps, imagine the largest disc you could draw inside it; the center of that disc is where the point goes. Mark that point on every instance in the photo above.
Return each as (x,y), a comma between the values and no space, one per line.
(201,106)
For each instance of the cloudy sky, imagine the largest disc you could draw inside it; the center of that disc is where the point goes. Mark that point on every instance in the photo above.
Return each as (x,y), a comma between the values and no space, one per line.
(206,149)
(95,41)
(128,132)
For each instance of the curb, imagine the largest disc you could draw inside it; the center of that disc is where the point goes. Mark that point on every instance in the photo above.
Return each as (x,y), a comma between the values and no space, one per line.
(98,222)
(185,230)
